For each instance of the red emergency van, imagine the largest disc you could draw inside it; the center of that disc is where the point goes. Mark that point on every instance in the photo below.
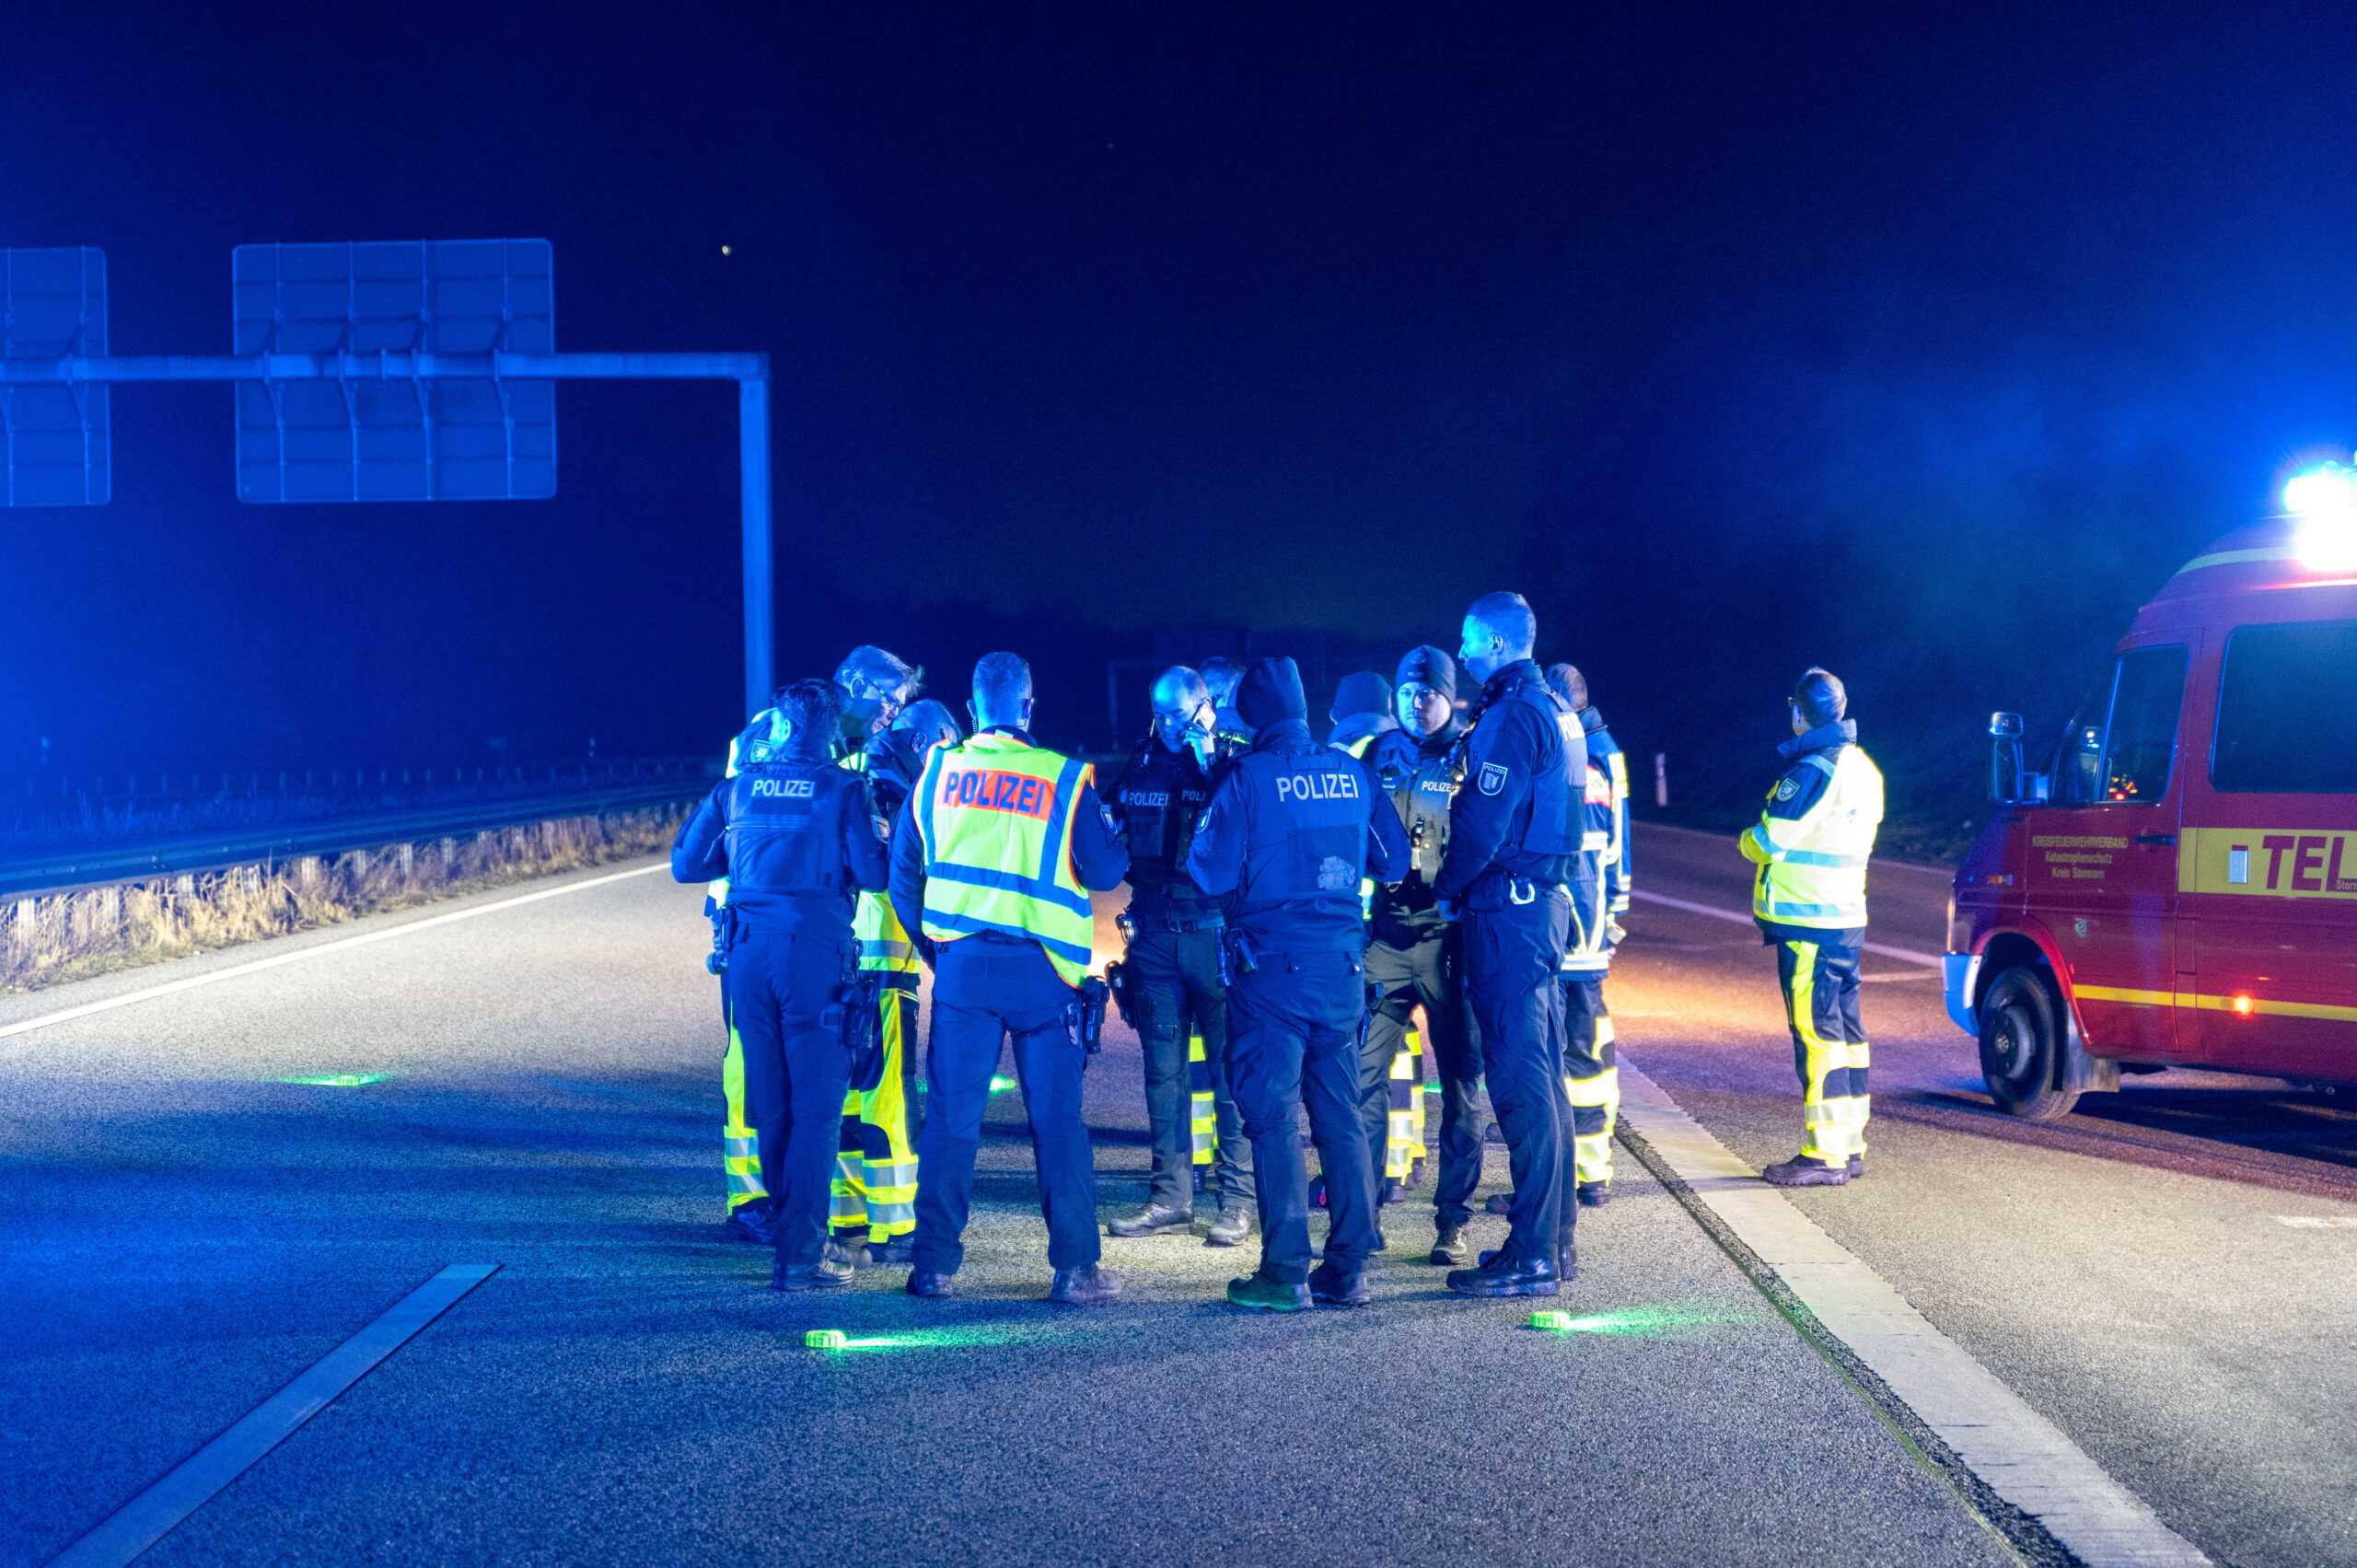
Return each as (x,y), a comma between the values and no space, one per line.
(2178,887)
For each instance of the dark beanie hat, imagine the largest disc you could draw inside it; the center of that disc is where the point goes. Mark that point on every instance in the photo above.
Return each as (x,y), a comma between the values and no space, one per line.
(1271,693)
(1362,691)
(1432,666)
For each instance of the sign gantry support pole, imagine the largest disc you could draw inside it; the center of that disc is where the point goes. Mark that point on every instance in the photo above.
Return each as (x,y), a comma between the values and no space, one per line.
(749,371)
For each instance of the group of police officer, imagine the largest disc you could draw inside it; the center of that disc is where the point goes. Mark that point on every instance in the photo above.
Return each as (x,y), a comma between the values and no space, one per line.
(1308,922)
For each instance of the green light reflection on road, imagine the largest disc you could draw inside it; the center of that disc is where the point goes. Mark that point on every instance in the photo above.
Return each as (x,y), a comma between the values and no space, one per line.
(929,1339)
(339,1080)
(1649,1322)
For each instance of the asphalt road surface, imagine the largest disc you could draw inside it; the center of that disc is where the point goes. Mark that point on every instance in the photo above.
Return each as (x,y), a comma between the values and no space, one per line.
(186,1230)
(2126,1269)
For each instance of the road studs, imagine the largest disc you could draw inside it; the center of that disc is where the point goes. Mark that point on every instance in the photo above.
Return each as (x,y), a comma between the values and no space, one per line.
(824,1339)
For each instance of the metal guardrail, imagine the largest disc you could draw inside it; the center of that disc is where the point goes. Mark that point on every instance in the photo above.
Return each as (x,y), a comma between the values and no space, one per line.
(68,867)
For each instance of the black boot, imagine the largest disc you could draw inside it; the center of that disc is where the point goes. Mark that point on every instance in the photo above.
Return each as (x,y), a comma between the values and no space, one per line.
(1231,1229)
(1595,1194)
(824,1274)
(1086,1286)
(1331,1285)
(1802,1171)
(1153,1220)
(1261,1294)
(1504,1275)
(1450,1246)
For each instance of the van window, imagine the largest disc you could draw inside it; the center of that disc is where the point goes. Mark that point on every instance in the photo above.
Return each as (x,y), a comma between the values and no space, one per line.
(2144,724)
(2287,709)
(2120,746)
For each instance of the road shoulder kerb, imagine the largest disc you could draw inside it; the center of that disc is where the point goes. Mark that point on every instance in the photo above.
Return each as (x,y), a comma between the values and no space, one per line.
(2004,1444)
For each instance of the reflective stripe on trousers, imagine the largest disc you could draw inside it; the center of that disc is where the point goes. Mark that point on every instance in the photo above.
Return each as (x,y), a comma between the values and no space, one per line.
(1820,982)
(875,1189)
(740,1154)
(1403,1144)
(1203,1115)
(1591,1076)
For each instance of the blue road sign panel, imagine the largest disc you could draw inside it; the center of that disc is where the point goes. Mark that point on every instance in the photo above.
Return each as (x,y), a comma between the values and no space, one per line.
(54,306)
(380,434)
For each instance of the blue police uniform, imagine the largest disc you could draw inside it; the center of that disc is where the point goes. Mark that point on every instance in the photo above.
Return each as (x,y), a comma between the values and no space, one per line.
(1513,842)
(1172,979)
(1291,827)
(994,977)
(793,835)
(1417,959)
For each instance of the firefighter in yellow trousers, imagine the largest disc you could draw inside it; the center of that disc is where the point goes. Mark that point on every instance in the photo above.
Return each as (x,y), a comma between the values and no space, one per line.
(1811,846)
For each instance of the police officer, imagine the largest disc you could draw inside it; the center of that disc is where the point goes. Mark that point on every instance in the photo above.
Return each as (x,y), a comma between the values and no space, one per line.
(1171,972)
(1417,959)
(1811,846)
(1362,711)
(993,861)
(792,833)
(1221,675)
(1591,1071)
(876,1170)
(1512,842)
(1291,827)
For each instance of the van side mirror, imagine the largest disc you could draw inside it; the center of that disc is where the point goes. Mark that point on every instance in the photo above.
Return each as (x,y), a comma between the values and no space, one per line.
(2010,782)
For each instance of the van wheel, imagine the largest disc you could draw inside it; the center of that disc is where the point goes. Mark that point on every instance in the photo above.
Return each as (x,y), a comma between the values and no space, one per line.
(2022,1047)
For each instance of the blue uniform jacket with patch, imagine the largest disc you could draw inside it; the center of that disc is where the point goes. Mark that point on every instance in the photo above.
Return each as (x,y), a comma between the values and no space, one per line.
(1291,827)
(1518,816)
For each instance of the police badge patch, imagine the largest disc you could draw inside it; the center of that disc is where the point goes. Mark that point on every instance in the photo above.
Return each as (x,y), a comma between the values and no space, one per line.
(1787,789)
(1335,876)
(1493,777)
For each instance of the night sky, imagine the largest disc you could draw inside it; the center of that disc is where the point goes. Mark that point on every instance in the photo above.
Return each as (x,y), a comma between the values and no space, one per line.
(1921,346)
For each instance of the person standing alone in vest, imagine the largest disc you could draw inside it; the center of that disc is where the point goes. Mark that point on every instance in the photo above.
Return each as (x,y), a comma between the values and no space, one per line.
(998,848)
(1291,827)
(1811,846)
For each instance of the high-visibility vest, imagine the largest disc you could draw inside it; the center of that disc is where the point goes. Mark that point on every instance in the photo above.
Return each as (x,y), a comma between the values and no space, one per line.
(1813,867)
(883,942)
(994,816)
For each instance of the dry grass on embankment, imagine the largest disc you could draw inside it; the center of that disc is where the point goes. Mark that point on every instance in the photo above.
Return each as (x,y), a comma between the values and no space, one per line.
(48,939)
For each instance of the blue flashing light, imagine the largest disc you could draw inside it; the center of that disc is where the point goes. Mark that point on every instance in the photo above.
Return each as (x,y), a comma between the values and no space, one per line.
(2324,500)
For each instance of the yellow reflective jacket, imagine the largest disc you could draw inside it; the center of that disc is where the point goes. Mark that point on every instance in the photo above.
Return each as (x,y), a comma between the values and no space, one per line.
(1812,840)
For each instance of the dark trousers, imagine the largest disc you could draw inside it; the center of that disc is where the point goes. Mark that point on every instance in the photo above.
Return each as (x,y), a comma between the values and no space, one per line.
(984,989)
(1174,980)
(1294,1043)
(778,988)
(1431,973)
(1511,956)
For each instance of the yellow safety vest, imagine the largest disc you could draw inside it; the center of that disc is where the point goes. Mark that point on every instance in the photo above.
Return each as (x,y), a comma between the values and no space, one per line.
(1813,868)
(994,816)
(883,941)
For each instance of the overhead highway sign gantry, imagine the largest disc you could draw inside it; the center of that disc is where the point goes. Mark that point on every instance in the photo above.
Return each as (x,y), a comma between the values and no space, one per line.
(420,371)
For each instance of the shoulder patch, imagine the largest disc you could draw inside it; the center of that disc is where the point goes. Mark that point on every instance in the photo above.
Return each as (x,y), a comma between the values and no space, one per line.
(1493,777)
(1787,789)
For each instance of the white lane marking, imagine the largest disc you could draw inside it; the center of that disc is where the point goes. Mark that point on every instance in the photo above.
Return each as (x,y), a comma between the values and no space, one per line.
(300,954)
(2318,1222)
(1909,954)
(1943,873)
(195,1481)
(2024,1457)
